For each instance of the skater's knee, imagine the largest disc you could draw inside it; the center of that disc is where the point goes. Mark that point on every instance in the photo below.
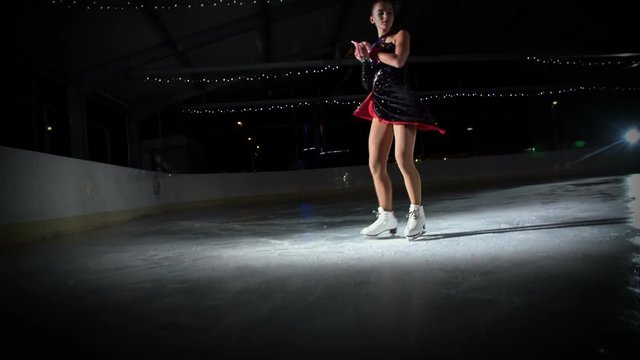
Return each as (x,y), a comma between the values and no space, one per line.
(406,165)
(377,167)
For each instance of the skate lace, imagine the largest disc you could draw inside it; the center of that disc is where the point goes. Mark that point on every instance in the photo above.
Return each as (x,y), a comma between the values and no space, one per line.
(413,218)
(379,217)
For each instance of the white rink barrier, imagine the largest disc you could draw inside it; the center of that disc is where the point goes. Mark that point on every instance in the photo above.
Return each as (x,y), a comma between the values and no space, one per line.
(46,195)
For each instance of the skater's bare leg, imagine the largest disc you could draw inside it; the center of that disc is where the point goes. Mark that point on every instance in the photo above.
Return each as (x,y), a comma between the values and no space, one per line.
(405,137)
(380,140)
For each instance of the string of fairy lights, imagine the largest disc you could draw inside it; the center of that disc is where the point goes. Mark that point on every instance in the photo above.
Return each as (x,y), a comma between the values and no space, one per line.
(296,104)
(261,76)
(581,62)
(108,5)
(215,79)
(431,97)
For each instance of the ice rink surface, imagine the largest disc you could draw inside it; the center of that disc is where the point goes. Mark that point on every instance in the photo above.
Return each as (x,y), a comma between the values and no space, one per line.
(522,271)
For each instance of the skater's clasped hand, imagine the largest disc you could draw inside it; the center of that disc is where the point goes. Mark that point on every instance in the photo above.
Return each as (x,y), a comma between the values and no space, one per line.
(362,50)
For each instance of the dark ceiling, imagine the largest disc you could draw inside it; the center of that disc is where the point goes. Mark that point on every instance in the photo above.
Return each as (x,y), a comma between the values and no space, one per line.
(114,81)
(114,50)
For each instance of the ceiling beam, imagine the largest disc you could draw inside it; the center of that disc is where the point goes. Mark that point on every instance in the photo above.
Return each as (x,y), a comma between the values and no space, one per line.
(123,65)
(163,32)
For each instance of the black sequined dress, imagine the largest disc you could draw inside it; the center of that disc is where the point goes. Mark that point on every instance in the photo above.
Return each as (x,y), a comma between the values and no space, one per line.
(391,101)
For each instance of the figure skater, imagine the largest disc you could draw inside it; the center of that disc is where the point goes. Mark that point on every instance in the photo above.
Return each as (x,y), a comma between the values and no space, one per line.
(394,112)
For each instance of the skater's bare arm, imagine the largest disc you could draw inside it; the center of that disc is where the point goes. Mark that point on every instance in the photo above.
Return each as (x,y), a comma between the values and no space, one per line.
(399,57)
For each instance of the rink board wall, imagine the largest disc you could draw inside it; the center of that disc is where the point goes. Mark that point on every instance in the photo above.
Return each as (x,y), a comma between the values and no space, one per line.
(45,195)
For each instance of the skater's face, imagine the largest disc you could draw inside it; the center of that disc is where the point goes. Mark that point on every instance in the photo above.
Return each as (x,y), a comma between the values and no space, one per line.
(382,15)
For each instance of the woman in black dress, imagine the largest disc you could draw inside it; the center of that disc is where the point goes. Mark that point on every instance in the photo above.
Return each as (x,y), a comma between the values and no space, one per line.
(394,112)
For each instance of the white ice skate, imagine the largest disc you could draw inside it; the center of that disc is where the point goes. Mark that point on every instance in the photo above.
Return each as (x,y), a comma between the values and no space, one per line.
(416,221)
(386,222)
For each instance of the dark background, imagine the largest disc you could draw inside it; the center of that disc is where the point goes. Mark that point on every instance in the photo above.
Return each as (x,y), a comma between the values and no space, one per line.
(88,74)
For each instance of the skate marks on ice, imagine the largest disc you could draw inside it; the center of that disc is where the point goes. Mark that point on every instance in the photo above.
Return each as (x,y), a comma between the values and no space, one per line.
(526,209)
(594,202)
(550,206)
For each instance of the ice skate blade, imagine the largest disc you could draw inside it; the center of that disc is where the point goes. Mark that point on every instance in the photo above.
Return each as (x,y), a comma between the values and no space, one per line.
(414,237)
(392,232)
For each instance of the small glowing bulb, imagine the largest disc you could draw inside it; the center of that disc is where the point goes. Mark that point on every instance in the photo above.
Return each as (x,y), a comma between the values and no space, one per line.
(554,103)
(239,123)
(632,136)
(249,139)
(49,128)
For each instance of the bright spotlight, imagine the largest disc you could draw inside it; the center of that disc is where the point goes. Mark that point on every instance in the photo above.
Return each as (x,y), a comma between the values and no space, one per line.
(632,136)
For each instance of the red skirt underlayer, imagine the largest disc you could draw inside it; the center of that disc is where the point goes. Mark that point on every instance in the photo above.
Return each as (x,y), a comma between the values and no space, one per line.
(367,112)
